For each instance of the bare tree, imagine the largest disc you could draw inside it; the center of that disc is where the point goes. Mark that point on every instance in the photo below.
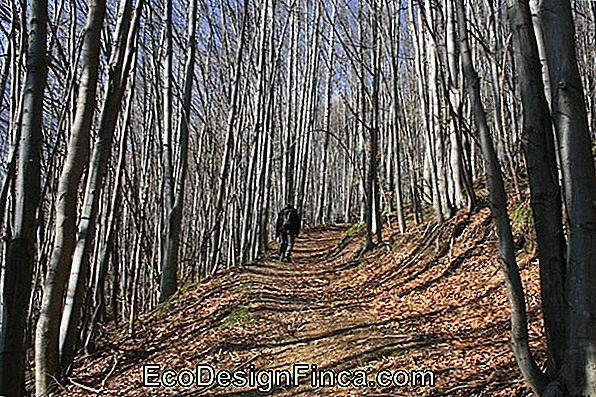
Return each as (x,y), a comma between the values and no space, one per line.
(322,194)
(21,252)
(169,269)
(542,172)
(498,205)
(120,65)
(229,145)
(48,324)
(571,126)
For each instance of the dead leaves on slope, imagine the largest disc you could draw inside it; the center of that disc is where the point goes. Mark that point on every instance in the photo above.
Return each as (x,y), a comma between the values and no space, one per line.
(435,301)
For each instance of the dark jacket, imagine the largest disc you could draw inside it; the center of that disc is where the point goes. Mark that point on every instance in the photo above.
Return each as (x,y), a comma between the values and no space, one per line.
(288,220)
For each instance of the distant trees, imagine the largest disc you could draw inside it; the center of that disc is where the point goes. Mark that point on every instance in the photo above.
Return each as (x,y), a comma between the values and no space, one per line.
(355,111)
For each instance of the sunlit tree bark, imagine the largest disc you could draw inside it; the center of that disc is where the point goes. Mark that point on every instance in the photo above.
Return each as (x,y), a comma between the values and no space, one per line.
(48,324)
(119,67)
(21,251)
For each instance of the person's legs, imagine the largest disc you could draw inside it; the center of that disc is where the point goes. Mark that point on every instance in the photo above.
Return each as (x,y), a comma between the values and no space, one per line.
(290,246)
(283,245)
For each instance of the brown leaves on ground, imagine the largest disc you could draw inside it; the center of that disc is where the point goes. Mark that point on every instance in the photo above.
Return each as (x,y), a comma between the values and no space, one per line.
(431,299)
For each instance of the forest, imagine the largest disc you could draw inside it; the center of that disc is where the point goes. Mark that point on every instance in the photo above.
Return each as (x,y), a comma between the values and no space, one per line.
(147,146)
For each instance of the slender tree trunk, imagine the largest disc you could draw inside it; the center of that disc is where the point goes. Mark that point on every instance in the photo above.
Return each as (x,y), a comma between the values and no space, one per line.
(366,181)
(535,6)
(120,66)
(169,270)
(419,55)
(47,363)
(542,171)
(249,219)
(571,125)
(288,143)
(350,169)
(174,215)
(373,173)
(107,243)
(20,254)
(394,41)
(308,113)
(454,97)
(436,145)
(228,146)
(498,205)
(329,80)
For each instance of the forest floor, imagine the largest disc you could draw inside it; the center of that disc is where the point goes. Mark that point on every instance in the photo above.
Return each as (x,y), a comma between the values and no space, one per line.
(432,299)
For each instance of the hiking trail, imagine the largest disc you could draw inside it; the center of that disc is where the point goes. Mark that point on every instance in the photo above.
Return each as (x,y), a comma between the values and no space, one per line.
(431,299)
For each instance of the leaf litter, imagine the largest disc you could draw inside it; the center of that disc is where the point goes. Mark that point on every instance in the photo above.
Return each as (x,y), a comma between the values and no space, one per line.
(431,299)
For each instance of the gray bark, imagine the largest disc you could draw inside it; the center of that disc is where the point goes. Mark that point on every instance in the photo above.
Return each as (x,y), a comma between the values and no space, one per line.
(394,42)
(542,172)
(119,68)
(48,324)
(419,55)
(106,245)
(228,147)
(454,97)
(498,205)
(169,270)
(373,160)
(248,243)
(327,120)
(571,125)
(535,6)
(20,255)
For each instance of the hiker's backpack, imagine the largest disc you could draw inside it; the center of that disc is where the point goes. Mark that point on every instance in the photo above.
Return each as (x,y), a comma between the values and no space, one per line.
(289,220)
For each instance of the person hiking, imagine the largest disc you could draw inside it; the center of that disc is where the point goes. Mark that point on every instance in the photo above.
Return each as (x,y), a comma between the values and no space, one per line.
(286,230)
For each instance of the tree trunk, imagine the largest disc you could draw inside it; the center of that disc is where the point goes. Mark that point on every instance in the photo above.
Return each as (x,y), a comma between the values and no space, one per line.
(326,129)
(229,145)
(119,66)
(571,125)
(542,171)
(394,42)
(169,271)
(20,255)
(419,55)
(47,363)
(535,6)
(289,148)
(498,205)
(249,238)
(107,243)
(373,161)
(460,193)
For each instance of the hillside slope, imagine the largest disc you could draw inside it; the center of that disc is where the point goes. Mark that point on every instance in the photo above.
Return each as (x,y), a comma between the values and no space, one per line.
(432,299)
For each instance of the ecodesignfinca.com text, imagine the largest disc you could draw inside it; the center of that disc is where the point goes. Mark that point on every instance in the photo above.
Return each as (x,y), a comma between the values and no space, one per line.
(265,380)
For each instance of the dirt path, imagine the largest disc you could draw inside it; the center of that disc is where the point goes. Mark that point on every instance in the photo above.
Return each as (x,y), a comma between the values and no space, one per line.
(423,302)
(311,323)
